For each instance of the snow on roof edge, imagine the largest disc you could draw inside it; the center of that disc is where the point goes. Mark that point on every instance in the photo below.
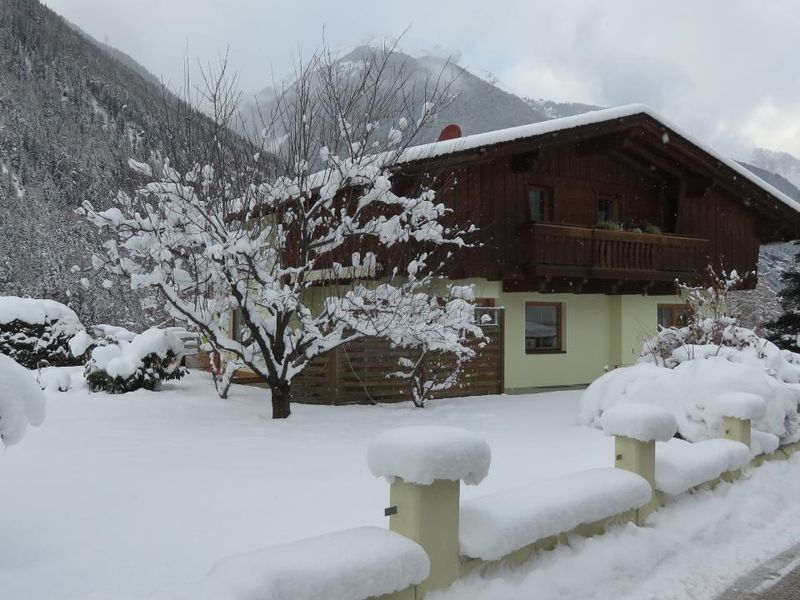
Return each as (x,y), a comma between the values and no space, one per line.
(510,134)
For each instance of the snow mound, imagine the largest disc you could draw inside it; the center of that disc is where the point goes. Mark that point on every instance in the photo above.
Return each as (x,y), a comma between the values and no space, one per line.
(22,402)
(739,405)
(422,454)
(686,389)
(495,525)
(643,422)
(682,465)
(55,379)
(347,565)
(762,442)
(38,311)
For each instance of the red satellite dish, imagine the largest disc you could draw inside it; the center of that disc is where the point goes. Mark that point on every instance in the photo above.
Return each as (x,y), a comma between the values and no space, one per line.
(450,132)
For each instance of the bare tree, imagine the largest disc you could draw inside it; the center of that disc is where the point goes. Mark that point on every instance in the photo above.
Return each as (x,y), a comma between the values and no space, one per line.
(304,234)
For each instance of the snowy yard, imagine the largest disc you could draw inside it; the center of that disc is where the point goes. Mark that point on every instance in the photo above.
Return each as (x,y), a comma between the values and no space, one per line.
(118,496)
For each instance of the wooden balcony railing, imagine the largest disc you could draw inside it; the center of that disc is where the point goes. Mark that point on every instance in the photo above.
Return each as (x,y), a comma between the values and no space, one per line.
(582,251)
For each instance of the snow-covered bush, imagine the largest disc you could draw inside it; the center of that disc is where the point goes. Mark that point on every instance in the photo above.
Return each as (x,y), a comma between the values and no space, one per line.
(684,369)
(142,362)
(21,401)
(35,331)
(687,389)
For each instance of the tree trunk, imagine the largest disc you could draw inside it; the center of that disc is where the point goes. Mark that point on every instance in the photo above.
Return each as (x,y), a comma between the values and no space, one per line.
(281,398)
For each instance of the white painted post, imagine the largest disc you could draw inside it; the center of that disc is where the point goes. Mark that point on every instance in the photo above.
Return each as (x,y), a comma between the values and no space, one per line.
(428,514)
(637,428)
(738,430)
(425,466)
(737,410)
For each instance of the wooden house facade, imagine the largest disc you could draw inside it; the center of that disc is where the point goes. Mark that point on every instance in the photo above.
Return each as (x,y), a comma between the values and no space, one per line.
(584,226)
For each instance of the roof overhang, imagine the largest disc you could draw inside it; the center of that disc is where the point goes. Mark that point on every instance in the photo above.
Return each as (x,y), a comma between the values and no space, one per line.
(635,131)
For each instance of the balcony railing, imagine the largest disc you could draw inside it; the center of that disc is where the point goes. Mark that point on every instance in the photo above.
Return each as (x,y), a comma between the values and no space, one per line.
(582,251)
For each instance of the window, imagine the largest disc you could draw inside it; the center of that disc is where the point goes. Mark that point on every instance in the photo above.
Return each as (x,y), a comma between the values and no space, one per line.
(540,203)
(673,315)
(607,209)
(543,327)
(486,314)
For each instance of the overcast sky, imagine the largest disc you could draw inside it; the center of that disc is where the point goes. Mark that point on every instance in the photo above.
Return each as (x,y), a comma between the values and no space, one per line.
(726,70)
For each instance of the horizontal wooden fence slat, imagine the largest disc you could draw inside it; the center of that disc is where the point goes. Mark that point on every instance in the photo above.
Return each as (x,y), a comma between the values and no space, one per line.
(358,372)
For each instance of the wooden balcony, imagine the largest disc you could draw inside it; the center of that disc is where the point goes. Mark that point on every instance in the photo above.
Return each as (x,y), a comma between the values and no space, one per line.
(566,251)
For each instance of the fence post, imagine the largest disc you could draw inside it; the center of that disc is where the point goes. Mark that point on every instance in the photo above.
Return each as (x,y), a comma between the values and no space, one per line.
(425,466)
(428,514)
(739,430)
(737,410)
(637,428)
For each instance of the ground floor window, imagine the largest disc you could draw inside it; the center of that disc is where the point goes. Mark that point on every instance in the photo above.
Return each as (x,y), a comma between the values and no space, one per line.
(544,327)
(673,315)
(485,312)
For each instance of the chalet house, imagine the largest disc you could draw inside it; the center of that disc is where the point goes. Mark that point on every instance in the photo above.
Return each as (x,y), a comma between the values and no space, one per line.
(585,224)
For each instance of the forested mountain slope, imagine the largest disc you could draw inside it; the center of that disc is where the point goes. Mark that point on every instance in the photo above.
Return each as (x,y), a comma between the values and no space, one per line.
(70,117)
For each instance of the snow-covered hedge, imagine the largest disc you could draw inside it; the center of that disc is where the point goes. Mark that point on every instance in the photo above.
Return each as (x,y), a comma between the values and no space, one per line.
(685,378)
(33,330)
(142,362)
(21,401)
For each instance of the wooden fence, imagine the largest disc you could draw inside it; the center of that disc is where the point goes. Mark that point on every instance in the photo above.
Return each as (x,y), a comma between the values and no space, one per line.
(359,372)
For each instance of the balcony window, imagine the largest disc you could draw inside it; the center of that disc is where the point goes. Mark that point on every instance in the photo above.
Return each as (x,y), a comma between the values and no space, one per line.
(673,315)
(543,327)
(607,210)
(540,204)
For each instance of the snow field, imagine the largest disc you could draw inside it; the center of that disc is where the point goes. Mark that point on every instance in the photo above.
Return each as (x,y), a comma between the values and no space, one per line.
(152,489)
(119,496)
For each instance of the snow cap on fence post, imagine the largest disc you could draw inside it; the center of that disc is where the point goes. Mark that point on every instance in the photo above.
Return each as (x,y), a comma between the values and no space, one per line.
(425,466)
(737,410)
(637,427)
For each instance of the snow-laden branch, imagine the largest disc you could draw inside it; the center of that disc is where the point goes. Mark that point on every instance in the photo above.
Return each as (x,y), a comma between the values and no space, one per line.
(306,260)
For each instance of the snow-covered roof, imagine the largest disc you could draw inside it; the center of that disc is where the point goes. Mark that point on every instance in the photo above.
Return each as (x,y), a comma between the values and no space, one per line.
(490,138)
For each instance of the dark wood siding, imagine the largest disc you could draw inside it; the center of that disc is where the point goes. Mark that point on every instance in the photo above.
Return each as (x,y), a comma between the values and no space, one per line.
(357,372)
(493,195)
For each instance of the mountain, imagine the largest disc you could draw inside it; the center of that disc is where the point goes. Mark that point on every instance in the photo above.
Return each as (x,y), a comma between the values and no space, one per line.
(556,110)
(782,163)
(72,111)
(477,104)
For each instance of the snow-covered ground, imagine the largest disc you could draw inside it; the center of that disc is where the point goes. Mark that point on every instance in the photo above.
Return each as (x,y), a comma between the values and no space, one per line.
(695,548)
(118,496)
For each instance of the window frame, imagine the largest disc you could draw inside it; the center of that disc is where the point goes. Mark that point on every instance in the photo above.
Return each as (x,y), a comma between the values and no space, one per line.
(549,204)
(615,204)
(561,343)
(676,308)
